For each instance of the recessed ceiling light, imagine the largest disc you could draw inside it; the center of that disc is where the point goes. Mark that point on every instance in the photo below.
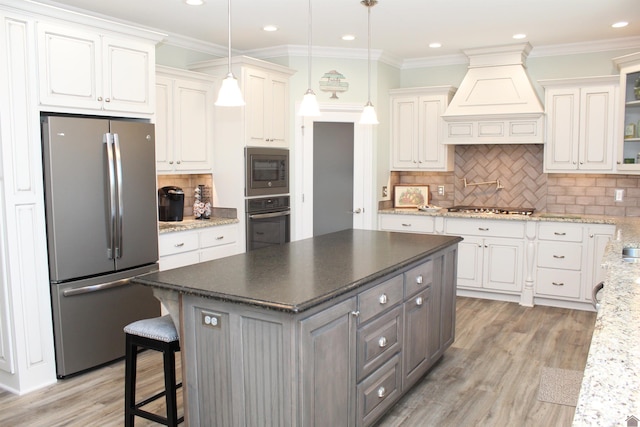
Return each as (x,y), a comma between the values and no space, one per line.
(348,37)
(194,2)
(620,24)
(519,36)
(270,28)
(435,45)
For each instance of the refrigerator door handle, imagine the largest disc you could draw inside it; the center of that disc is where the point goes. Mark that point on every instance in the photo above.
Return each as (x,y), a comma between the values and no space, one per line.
(108,140)
(118,164)
(95,288)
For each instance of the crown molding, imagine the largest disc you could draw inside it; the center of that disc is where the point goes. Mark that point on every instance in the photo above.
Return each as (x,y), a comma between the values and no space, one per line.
(586,47)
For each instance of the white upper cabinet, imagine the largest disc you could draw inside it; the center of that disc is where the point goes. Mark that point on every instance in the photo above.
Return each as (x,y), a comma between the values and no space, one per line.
(88,70)
(581,124)
(184,121)
(628,125)
(417,129)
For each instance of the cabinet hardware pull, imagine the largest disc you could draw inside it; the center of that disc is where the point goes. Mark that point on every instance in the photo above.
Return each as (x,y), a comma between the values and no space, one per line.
(382,392)
(559,234)
(419,301)
(179,245)
(219,237)
(178,162)
(355,313)
(406,225)
(383,299)
(557,284)
(483,229)
(170,162)
(107,100)
(100,98)
(382,342)
(559,256)
(419,279)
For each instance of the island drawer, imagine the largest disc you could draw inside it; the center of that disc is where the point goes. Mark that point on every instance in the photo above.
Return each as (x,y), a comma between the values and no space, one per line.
(175,243)
(418,278)
(218,236)
(490,228)
(378,392)
(558,283)
(560,232)
(407,223)
(380,298)
(565,256)
(378,341)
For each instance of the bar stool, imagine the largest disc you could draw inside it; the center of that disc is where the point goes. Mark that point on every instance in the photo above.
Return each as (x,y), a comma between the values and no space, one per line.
(157,334)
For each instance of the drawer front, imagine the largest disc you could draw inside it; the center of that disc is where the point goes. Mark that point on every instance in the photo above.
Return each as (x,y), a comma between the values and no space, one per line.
(560,232)
(380,298)
(489,228)
(407,223)
(418,278)
(378,341)
(558,283)
(560,255)
(217,236)
(378,392)
(178,260)
(175,243)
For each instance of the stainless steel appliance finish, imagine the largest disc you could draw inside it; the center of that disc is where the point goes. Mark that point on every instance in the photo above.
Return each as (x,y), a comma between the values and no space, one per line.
(268,221)
(492,210)
(267,171)
(100,198)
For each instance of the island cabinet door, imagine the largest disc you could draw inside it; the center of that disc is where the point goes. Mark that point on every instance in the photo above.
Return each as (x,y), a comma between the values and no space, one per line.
(328,367)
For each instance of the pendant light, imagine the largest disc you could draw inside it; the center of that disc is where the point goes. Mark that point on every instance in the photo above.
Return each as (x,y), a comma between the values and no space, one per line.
(369,116)
(309,106)
(230,95)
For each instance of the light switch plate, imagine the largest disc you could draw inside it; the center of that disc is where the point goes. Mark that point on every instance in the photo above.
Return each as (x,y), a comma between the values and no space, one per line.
(440,190)
(619,194)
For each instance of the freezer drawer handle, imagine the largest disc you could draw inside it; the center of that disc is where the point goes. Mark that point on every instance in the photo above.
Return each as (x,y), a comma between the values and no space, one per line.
(95,288)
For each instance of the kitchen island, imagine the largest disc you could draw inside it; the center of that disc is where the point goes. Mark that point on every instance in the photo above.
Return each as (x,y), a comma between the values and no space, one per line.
(325,331)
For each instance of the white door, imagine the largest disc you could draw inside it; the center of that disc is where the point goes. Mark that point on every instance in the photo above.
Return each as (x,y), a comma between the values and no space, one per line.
(364,207)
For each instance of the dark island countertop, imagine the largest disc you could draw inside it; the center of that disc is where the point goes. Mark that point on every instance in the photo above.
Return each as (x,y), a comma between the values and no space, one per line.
(300,275)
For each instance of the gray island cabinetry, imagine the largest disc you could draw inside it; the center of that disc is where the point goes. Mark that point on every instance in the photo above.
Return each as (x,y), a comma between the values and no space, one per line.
(329,331)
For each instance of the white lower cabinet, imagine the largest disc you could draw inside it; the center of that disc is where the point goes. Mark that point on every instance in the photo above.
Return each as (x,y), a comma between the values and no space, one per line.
(182,248)
(407,223)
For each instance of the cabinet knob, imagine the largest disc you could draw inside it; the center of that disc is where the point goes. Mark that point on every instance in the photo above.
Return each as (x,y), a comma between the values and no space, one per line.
(419,279)
(382,392)
(107,100)
(170,162)
(100,98)
(557,283)
(383,299)
(419,301)
(382,342)
(178,162)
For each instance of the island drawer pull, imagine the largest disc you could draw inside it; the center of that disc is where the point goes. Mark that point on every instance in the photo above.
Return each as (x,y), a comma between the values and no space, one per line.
(557,283)
(382,342)
(383,299)
(559,233)
(179,245)
(382,392)
(483,228)
(219,237)
(419,279)
(419,301)
(559,256)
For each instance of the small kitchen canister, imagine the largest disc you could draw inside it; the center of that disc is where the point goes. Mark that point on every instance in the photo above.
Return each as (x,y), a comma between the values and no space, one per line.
(630,131)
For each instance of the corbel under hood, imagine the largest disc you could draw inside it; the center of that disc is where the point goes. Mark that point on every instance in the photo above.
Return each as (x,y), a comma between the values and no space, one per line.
(496,102)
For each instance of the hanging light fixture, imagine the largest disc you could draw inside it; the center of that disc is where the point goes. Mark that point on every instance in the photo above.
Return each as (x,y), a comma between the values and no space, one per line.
(369,116)
(309,106)
(230,95)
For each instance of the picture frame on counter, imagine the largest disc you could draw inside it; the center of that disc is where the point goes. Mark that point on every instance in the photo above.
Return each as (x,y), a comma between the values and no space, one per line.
(410,196)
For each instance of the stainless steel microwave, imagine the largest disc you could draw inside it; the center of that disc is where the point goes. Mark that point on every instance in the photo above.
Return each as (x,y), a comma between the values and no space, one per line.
(267,171)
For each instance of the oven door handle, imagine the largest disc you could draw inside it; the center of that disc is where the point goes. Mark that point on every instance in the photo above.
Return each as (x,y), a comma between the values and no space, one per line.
(270,215)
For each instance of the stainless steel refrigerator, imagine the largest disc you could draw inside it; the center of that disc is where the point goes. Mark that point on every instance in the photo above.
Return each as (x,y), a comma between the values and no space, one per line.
(101,210)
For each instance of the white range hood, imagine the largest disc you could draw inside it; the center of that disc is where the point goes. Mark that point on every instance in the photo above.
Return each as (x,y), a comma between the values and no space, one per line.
(496,102)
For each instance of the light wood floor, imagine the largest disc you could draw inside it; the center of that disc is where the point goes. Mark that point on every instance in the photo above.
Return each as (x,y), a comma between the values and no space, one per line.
(489,377)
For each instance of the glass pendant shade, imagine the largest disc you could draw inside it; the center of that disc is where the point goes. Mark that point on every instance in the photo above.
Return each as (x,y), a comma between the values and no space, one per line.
(309,106)
(229,94)
(369,116)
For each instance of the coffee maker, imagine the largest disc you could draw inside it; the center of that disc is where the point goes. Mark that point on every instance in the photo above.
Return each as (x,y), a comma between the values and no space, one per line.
(170,203)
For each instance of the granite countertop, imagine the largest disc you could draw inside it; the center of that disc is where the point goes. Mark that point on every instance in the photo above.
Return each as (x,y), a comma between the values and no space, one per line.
(219,216)
(300,275)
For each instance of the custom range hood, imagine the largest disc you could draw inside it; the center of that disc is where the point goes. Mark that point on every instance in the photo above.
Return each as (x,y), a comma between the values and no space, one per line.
(496,102)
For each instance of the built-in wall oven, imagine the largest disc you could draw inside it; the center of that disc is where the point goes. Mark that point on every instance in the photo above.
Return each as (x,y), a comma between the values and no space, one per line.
(268,221)
(267,171)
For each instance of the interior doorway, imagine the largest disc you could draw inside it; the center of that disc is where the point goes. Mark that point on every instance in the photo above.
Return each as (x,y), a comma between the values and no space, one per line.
(362,209)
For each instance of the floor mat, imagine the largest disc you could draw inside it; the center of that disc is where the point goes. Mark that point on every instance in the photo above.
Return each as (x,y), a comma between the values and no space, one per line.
(560,386)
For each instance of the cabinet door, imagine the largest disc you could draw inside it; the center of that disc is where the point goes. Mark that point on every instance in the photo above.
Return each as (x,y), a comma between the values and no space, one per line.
(562,130)
(448,300)
(418,334)
(404,132)
(70,74)
(128,70)
(503,264)
(470,252)
(277,113)
(432,153)
(599,237)
(193,129)
(327,367)
(255,86)
(597,123)
(164,124)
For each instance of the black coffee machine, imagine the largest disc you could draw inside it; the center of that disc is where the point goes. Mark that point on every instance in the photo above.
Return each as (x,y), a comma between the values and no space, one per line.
(170,203)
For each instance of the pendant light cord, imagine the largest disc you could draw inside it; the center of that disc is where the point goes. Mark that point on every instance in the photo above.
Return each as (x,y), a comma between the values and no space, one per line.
(369,6)
(309,39)
(229,30)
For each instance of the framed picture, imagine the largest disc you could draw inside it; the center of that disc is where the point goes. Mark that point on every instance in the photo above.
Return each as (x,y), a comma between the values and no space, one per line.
(410,196)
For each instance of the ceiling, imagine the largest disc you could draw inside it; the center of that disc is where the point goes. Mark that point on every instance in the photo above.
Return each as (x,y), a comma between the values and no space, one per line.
(401,29)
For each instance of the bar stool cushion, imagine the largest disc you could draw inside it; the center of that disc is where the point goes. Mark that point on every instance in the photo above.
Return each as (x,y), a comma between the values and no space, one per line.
(157,328)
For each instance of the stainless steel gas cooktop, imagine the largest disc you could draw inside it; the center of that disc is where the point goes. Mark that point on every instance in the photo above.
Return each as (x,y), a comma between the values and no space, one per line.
(491,210)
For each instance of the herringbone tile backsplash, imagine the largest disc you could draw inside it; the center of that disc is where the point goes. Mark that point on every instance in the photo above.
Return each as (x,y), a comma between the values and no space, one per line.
(519,169)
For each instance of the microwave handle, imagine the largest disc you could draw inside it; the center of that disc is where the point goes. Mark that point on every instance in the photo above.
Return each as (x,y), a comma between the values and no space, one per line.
(270,215)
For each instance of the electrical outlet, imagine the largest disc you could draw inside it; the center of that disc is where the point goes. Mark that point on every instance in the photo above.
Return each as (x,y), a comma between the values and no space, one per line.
(211,320)
(385,191)
(619,195)
(440,190)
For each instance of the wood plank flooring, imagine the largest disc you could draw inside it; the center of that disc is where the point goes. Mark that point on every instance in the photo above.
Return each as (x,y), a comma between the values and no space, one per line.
(489,377)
